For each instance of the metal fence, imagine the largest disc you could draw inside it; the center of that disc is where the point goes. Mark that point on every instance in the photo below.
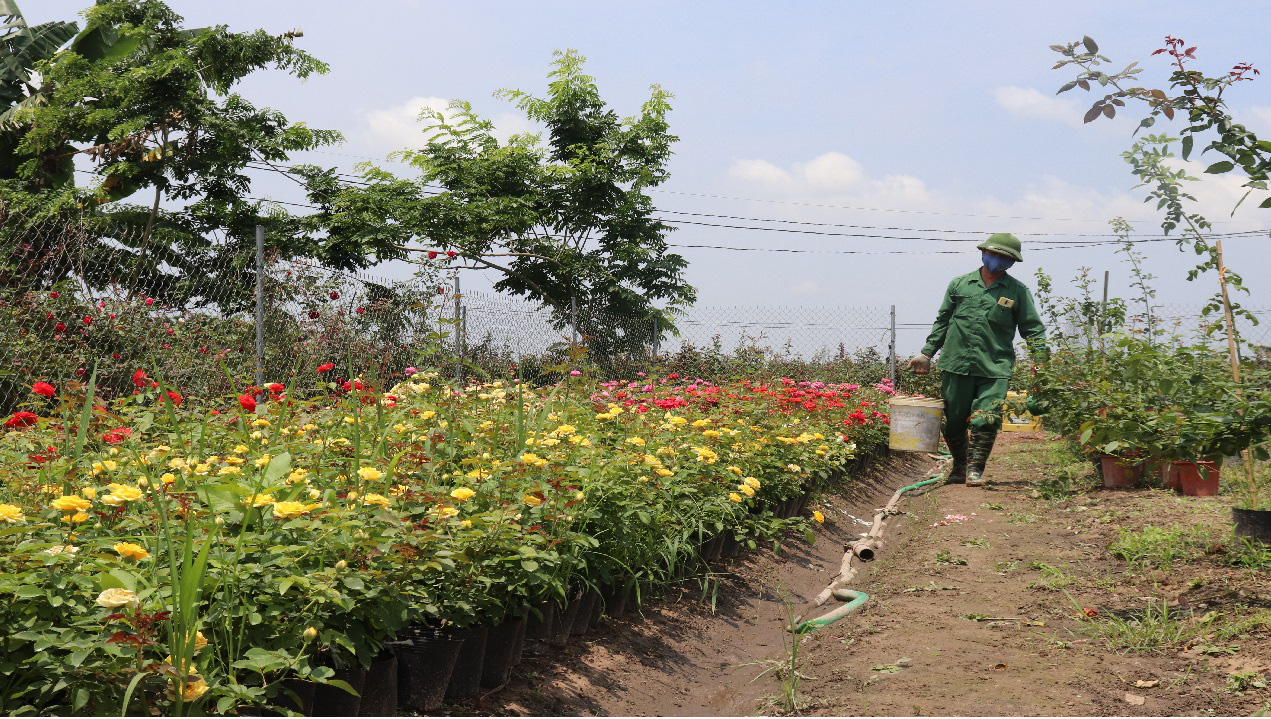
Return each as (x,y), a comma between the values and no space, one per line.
(78,299)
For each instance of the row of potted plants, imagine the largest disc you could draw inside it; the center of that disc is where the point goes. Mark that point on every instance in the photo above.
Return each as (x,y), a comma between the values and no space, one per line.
(162,558)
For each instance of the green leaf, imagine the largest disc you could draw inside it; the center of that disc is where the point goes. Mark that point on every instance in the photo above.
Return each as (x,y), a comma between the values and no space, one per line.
(79,655)
(26,591)
(1091,46)
(529,565)
(1220,167)
(1265,203)
(79,699)
(1187,146)
(1085,436)
(354,583)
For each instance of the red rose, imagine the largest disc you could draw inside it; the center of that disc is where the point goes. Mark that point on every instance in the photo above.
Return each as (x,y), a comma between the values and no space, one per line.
(88,320)
(139,378)
(115,355)
(117,435)
(360,310)
(60,327)
(325,368)
(55,294)
(20,420)
(44,389)
(149,301)
(276,387)
(174,398)
(313,314)
(247,402)
(452,254)
(334,295)
(432,255)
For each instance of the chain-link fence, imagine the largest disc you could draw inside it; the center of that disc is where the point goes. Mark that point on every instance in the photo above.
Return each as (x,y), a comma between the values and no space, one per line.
(87,298)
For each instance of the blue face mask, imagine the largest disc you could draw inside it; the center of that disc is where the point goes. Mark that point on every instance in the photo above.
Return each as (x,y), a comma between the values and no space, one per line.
(996,263)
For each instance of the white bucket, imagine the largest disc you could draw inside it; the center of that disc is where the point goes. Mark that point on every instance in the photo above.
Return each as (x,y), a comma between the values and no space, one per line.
(915,424)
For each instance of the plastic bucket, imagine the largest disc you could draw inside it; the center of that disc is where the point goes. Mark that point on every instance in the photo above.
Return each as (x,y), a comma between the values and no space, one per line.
(915,424)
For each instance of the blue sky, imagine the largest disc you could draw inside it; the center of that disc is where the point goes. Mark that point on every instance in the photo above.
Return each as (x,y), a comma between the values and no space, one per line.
(935,116)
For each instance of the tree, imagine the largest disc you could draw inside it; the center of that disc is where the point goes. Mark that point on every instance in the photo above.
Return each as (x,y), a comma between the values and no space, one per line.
(152,106)
(566,221)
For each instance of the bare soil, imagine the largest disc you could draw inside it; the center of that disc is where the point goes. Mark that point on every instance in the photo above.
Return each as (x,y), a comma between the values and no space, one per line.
(977,606)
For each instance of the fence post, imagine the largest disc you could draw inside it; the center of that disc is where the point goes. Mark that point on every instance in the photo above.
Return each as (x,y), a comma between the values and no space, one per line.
(458,335)
(573,320)
(260,310)
(657,336)
(891,360)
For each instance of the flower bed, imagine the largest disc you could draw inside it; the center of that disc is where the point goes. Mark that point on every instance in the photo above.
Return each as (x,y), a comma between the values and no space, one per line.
(155,555)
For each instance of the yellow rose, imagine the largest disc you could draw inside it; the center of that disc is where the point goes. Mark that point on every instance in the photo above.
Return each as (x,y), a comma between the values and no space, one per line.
(194,687)
(734,496)
(310,634)
(746,490)
(70,503)
(751,482)
(117,597)
(168,478)
(377,500)
(664,472)
(370,474)
(77,518)
(10,514)
(446,512)
(532,500)
(263,460)
(88,493)
(128,550)
(462,494)
(200,641)
(287,510)
(262,500)
(820,518)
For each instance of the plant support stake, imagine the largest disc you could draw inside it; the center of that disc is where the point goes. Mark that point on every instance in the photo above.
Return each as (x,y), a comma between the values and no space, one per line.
(1233,356)
(260,311)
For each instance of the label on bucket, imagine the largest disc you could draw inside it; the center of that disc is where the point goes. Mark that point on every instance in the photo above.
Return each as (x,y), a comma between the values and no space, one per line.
(915,429)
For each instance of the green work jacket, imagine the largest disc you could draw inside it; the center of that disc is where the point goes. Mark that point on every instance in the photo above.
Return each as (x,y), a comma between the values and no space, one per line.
(976,326)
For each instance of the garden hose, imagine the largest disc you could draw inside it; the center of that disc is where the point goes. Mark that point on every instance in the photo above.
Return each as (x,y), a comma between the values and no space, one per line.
(854,599)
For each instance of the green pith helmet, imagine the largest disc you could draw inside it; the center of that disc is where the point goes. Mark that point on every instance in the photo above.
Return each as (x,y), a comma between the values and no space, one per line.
(1005,243)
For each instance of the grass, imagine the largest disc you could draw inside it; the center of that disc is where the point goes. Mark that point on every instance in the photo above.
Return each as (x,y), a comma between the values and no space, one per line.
(945,557)
(1159,548)
(980,542)
(1246,553)
(1256,622)
(1153,629)
(787,669)
(1052,577)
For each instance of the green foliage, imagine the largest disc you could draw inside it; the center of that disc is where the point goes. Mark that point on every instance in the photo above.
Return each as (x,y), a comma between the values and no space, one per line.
(570,214)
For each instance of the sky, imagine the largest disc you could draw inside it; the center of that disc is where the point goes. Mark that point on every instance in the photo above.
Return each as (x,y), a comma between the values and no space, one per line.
(937,118)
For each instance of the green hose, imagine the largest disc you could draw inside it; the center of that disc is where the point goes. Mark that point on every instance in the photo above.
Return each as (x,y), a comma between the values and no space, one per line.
(854,599)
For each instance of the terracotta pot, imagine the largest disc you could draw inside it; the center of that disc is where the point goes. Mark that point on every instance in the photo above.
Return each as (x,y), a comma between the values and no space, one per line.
(1198,479)
(1120,473)
(1167,472)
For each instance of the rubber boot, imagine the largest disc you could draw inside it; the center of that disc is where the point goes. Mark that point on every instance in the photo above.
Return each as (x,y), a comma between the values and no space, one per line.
(957,450)
(978,451)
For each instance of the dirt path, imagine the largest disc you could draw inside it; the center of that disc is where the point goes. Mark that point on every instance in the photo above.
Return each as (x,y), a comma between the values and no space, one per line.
(978,614)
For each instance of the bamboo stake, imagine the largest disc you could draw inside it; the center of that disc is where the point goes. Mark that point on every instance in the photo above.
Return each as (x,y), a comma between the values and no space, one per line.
(1235,367)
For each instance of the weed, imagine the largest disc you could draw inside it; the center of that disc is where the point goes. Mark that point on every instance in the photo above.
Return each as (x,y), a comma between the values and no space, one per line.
(1021,518)
(1240,682)
(1153,629)
(1052,577)
(993,505)
(787,670)
(1215,650)
(1155,547)
(1257,621)
(1247,553)
(1004,566)
(976,542)
(1054,640)
(944,557)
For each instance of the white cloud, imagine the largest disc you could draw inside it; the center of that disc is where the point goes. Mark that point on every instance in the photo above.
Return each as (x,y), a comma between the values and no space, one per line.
(1031,103)
(759,171)
(398,127)
(833,170)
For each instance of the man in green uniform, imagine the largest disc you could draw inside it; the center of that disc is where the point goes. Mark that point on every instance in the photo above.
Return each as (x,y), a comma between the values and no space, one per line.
(976,329)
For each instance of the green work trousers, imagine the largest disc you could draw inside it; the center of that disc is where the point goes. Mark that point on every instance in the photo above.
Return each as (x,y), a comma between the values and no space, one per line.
(972,404)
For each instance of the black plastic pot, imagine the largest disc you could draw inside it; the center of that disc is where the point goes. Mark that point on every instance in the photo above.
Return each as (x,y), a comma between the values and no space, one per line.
(519,651)
(540,626)
(500,651)
(424,666)
(732,547)
(332,701)
(565,618)
(465,681)
(614,599)
(597,609)
(1252,523)
(802,505)
(713,549)
(297,695)
(379,692)
(582,619)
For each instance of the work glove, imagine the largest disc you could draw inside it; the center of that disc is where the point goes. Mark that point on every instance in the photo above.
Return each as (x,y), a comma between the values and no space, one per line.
(920,364)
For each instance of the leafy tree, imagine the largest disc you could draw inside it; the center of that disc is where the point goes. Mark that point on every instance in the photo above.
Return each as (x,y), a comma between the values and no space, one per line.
(151,105)
(564,220)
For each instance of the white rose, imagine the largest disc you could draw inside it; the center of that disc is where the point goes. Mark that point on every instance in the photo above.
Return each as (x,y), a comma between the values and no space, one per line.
(117,597)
